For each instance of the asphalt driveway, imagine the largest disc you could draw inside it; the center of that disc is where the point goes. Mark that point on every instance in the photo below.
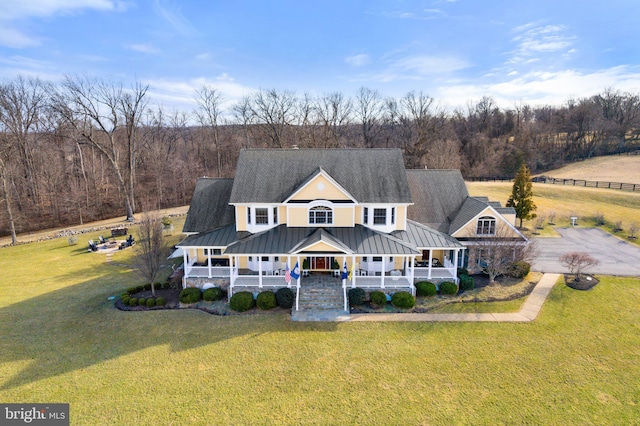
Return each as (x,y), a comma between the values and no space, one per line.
(617,257)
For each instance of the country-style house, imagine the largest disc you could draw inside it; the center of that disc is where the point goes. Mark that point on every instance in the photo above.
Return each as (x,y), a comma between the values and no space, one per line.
(291,213)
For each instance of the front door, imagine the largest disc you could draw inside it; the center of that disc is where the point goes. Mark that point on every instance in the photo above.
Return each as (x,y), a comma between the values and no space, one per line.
(319,263)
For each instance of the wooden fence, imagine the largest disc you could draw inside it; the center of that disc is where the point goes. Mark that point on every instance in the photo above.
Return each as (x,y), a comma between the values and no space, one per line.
(634,187)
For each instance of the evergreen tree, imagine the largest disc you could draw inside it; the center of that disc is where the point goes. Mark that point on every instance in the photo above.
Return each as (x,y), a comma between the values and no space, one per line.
(521,198)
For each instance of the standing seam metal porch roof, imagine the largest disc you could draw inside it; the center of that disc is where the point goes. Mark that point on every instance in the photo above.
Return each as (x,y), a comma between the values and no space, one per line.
(359,240)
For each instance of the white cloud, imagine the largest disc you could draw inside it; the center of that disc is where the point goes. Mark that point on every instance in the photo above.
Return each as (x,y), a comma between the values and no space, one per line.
(174,16)
(13,11)
(358,60)
(532,40)
(179,94)
(541,88)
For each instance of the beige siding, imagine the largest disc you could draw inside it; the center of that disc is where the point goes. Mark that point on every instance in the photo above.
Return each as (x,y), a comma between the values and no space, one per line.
(299,216)
(282,215)
(241,218)
(312,191)
(358,215)
(321,247)
(401,218)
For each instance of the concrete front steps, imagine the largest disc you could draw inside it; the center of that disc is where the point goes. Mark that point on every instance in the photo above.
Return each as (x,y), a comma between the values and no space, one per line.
(321,299)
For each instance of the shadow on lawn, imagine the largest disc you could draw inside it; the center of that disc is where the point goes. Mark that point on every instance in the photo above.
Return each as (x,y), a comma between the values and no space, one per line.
(76,327)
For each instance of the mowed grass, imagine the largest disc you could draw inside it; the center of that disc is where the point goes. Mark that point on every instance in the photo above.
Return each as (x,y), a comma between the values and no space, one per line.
(63,341)
(567,201)
(613,168)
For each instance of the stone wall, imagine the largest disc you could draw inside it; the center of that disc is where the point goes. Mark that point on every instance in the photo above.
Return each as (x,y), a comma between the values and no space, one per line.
(198,282)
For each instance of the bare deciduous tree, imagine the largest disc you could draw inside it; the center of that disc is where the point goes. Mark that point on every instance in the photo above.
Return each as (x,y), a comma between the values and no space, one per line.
(151,249)
(368,110)
(578,262)
(107,117)
(496,254)
(209,102)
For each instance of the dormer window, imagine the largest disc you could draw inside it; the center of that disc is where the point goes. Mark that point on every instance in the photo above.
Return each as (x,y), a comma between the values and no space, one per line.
(320,215)
(379,216)
(262,216)
(486,226)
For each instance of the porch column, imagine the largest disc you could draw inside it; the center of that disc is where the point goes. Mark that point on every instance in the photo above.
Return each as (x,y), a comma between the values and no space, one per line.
(185,262)
(353,272)
(430,263)
(259,271)
(384,260)
(412,263)
(209,261)
(300,272)
(455,264)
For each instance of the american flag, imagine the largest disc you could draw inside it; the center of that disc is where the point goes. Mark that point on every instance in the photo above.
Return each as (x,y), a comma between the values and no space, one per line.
(287,274)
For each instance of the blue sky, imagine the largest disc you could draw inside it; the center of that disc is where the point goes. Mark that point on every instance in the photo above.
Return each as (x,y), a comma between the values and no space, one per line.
(537,52)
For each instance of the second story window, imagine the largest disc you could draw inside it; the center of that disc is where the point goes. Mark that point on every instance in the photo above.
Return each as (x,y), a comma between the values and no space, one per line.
(379,216)
(365,215)
(320,215)
(262,216)
(275,215)
(486,226)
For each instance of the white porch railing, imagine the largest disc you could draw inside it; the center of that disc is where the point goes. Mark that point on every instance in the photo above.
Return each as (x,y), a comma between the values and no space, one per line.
(205,271)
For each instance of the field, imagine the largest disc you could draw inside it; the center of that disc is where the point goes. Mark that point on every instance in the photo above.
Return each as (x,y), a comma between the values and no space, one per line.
(63,341)
(614,168)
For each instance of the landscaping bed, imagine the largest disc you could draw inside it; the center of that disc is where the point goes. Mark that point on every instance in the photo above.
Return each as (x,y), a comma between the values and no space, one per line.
(505,289)
(587,282)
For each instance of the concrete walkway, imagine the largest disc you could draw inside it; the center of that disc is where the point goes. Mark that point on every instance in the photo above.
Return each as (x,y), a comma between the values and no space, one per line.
(528,313)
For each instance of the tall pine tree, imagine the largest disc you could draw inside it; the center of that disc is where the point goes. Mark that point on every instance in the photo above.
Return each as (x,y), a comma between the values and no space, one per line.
(521,198)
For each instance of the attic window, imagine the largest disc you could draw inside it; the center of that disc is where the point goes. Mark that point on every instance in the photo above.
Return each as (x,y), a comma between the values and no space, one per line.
(486,226)
(320,215)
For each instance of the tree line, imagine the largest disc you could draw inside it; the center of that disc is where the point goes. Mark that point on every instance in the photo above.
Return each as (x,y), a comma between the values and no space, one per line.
(85,149)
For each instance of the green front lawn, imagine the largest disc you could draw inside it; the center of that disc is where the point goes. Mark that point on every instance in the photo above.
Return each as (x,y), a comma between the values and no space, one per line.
(62,341)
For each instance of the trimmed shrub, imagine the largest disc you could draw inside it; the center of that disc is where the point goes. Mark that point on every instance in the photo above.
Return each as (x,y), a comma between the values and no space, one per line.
(212,294)
(425,289)
(241,301)
(125,294)
(463,271)
(132,290)
(147,286)
(133,302)
(266,300)
(403,300)
(356,296)
(142,301)
(160,301)
(190,295)
(466,283)
(378,298)
(448,288)
(139,288)
(151,302)
(285,298)
(520,269)
(125,300)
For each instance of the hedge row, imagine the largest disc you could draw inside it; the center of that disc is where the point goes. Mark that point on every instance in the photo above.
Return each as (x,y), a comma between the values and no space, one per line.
(266,300)
(150,302)
(399,299)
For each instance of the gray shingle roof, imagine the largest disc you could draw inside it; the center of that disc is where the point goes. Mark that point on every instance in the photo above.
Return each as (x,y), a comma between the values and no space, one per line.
(437,196)
(358,240)
(210,207)
(272,175)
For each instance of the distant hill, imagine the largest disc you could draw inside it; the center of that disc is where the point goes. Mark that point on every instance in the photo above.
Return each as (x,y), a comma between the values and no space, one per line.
(613,168)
